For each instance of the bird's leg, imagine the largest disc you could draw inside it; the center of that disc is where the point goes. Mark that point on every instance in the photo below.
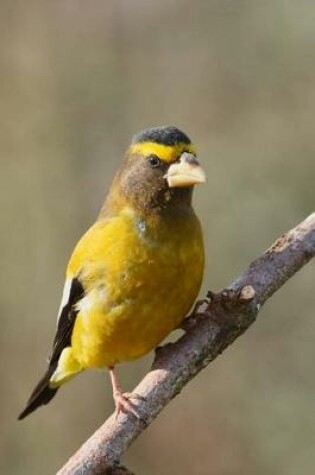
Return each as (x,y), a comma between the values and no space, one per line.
(121,399)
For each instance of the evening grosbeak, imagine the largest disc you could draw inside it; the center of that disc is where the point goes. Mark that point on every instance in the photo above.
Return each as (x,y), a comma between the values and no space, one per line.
(136,272)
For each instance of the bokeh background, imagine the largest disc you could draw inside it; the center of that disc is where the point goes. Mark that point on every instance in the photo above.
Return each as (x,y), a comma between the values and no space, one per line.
(77,80)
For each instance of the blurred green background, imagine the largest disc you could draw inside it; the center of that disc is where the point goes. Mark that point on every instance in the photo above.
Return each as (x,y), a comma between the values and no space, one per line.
(77,80)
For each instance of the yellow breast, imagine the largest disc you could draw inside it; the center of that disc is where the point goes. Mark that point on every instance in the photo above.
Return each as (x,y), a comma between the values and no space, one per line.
(141,278)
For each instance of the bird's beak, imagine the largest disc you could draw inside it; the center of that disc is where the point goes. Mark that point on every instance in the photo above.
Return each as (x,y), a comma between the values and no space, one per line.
(185,172)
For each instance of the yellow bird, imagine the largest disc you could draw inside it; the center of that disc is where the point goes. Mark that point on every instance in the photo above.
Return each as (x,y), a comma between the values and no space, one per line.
(136,272)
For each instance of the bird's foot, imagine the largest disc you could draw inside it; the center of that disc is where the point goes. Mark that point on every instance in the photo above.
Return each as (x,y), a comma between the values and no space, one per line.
(123,403)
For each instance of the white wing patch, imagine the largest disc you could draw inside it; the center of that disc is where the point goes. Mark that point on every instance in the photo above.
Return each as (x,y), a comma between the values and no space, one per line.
(95,299)
(84,305)
(65,296)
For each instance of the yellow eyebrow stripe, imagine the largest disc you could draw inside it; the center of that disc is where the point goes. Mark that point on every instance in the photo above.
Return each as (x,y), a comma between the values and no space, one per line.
(167,153)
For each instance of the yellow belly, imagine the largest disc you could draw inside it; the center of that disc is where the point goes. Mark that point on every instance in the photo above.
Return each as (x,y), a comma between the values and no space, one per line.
(140,283)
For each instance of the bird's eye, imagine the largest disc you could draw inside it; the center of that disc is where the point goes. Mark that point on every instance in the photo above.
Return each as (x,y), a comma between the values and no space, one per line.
(154,161)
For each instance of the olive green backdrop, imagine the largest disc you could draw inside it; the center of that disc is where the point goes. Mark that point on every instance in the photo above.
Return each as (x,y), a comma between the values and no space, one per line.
(77,79)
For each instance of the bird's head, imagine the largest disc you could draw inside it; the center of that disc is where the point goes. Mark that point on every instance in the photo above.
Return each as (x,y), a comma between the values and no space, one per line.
(159,171)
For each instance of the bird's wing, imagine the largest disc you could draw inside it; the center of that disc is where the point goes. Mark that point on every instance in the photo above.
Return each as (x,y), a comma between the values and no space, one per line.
(73,292)
(86,266)
(82,262)
(43,393)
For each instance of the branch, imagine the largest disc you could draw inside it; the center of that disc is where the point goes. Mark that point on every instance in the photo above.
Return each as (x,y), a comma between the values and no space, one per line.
(207,333)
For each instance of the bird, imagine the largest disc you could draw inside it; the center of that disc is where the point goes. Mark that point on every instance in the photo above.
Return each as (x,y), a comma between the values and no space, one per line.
(136,272)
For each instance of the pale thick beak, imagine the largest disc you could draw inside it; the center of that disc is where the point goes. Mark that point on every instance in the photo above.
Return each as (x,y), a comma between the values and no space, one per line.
(186,172)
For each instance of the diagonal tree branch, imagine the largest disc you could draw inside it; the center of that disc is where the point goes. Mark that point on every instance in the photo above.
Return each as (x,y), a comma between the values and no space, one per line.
(208,331)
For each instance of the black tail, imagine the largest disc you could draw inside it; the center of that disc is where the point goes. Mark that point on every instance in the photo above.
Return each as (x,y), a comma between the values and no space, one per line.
(41,395)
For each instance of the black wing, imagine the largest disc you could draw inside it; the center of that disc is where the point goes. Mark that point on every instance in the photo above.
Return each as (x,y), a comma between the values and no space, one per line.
(42,393)
(66,321)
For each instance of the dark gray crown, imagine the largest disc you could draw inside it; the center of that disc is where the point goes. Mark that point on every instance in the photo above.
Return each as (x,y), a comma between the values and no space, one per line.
(166,135)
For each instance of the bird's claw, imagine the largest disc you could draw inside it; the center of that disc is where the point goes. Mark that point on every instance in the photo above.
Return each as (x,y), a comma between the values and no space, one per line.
(124,404)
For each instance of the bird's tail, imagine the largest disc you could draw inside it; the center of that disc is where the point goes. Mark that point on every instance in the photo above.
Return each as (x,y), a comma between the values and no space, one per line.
(41,395)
